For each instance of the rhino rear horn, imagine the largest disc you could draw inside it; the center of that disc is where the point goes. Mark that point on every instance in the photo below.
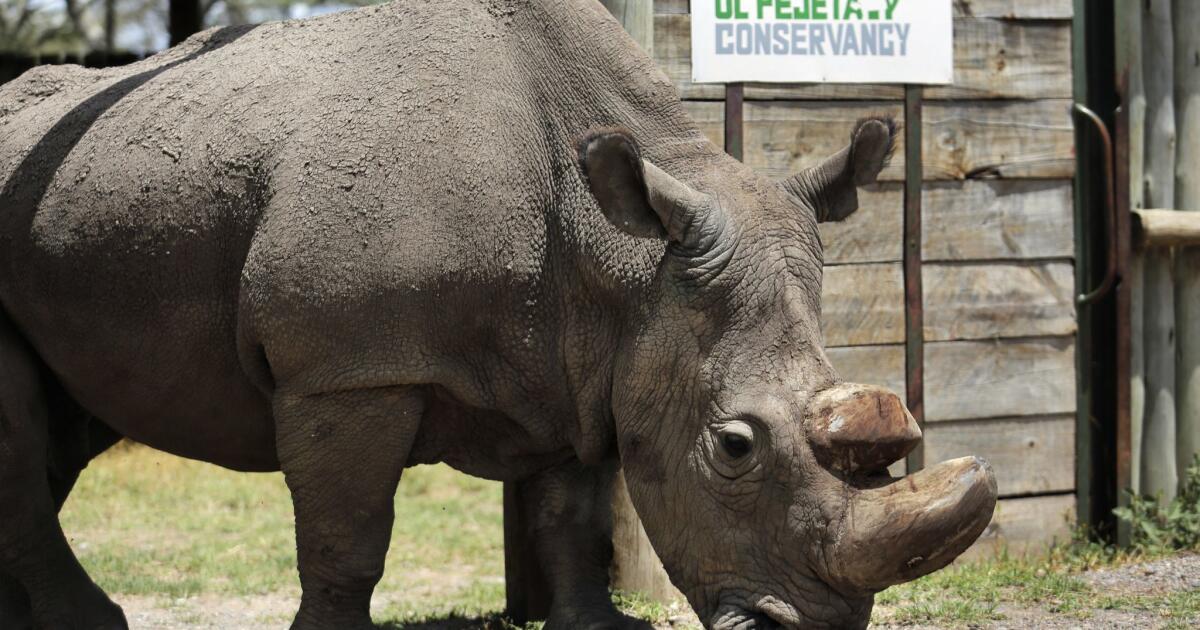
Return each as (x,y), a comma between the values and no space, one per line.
(860,429)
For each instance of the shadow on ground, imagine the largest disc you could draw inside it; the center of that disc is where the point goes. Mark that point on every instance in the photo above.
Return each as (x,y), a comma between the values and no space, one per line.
(453,622)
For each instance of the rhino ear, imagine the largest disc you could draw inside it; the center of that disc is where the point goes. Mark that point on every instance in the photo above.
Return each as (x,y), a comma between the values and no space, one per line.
(637,196)
(832,186)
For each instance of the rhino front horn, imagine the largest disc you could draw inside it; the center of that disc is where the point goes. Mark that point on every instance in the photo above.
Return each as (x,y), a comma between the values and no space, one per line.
(906,528)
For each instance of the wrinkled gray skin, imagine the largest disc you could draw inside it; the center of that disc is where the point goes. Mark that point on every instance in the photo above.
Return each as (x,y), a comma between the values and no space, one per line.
(402,235)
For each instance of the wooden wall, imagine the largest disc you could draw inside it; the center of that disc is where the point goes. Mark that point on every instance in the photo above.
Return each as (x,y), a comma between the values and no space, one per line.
(999,158)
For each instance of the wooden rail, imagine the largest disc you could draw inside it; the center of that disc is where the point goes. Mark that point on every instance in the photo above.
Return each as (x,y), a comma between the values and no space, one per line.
(1165,228)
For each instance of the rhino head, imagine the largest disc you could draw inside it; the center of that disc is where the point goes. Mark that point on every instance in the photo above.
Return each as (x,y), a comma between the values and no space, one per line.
(760,477)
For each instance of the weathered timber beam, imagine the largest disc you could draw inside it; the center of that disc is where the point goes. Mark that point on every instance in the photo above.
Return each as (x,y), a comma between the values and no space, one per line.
(1153,228)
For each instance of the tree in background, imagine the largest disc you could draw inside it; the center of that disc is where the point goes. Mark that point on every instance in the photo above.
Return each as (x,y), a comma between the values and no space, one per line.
(56,27)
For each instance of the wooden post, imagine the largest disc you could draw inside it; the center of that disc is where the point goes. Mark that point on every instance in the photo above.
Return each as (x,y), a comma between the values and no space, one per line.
(636,567)
(1128,367)
(1187,259)
(735,95)
(914,314)
(637,16)
(1133,123)
(1159,472)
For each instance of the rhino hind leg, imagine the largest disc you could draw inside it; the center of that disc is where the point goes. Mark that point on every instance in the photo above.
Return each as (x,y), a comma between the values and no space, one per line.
(570,507)
(34,553)
(75,438)
(16,613)
(342,454)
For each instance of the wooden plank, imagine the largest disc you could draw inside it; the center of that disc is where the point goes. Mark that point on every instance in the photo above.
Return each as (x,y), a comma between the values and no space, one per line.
(1009,9)
(1016,9)
(871,365)
(999,220)
(672,6)
(981,379)
(1026,525)
(966,220)
(874,233)
(1008,59)
(1004,300)
(992,59)
(999,139)
(864,304)
(969,140)
(1029,455)
(785,137)
(974,379)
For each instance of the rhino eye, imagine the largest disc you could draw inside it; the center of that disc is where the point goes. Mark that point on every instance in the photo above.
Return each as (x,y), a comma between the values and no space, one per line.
(736,445)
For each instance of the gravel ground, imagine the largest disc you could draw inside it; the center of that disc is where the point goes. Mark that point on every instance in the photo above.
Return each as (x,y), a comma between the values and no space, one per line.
(1150,579)
(1156,578)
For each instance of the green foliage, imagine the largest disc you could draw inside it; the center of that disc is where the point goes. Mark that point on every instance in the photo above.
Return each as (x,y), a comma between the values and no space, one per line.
(1155,524)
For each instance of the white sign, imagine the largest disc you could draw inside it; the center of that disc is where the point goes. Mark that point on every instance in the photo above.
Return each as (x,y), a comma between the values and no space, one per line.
(822,41)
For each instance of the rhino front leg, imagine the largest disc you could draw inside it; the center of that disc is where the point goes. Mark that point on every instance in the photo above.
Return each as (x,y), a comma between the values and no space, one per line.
(570,507)
(342,454)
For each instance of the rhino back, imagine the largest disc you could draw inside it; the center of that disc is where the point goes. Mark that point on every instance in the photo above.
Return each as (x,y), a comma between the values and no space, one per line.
(386,195)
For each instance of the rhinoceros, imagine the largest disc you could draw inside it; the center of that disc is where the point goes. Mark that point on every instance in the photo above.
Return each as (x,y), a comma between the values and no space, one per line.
(479,232)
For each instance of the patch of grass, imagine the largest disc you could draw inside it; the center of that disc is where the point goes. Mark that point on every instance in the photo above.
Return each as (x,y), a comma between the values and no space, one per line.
(147,523)
(1174,610)
(642,607)
(971,593)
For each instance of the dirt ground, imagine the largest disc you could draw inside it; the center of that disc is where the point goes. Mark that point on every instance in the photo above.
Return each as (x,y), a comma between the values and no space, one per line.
(1179,574)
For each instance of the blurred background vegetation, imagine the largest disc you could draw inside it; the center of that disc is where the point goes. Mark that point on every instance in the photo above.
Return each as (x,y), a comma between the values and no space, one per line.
(79,27)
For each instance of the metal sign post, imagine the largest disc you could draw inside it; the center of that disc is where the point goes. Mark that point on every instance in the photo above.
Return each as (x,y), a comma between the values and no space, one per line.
(914,313)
